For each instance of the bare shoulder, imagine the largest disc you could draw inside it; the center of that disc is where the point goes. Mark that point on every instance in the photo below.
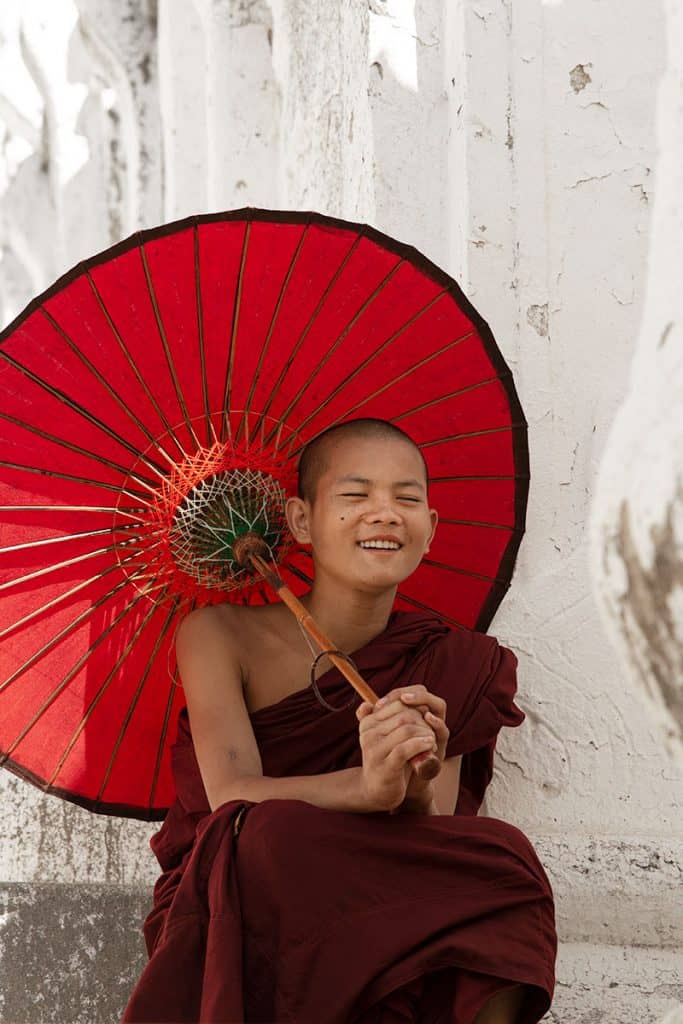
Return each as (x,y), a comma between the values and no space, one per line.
(231,627)
(210,613)
(217,619)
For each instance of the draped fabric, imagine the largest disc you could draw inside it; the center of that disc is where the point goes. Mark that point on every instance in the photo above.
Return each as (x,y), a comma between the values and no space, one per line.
(281,911)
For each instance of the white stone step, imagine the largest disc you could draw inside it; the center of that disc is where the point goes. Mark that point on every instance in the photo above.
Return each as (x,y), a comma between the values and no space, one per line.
(72,953)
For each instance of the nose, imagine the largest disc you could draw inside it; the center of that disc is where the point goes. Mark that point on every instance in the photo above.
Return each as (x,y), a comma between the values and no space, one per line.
(384,512)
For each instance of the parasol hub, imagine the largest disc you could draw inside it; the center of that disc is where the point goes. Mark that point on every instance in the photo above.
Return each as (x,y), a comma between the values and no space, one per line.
(248,544)
(200,516)
(236,510)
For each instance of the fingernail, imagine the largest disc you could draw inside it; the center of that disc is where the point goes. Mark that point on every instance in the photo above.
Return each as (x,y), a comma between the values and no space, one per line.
(408,696)
(379,703)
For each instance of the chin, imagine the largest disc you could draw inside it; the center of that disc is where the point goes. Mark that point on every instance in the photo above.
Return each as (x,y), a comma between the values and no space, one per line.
(383,581)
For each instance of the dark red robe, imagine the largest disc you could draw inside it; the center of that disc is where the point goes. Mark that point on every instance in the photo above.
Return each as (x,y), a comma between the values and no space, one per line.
(281,911)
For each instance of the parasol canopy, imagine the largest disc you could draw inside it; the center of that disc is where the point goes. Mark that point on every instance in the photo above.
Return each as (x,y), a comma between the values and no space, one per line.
(189,361)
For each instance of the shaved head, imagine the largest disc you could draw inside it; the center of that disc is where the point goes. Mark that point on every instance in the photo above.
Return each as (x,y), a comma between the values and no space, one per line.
(314,460)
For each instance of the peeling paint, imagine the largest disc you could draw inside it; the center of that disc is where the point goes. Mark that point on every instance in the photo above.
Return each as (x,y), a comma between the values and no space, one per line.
(537,317)
(242,13)
(645,607)
(579,77)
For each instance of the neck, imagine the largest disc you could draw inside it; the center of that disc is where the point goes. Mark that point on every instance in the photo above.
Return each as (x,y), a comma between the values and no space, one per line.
(350,619)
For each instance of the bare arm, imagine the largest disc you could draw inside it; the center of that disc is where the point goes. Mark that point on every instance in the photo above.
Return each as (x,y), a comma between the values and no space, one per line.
(225,745)
(340,791)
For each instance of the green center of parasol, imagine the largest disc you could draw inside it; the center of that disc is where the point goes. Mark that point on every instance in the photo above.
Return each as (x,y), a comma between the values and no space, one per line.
(218,510)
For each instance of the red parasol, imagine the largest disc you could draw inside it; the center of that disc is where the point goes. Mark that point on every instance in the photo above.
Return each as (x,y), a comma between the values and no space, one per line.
(201,351)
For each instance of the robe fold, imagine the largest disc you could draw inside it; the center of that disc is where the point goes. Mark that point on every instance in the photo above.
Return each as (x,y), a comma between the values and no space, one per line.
(287,913)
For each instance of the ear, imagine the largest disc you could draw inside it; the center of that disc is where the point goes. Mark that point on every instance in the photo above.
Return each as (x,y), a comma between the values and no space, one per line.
(434,516)
(297,512)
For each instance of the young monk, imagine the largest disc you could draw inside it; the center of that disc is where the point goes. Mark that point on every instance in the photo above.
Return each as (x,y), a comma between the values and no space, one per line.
(310,876)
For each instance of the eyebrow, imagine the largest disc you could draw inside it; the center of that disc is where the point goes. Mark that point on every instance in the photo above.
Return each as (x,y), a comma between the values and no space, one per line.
(364,480)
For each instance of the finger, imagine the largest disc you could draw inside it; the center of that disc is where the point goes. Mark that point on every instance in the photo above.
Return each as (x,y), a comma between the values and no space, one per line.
(431,717)
(403,704)
(390,707)
(388,749)
(405,751)
(395,714)
(418,689)
(437,724)
(384,723)
(363,710)
(381,724)
(437,705)
(397,729)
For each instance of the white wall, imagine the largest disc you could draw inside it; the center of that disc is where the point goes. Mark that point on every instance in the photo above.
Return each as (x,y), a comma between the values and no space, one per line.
(517,149)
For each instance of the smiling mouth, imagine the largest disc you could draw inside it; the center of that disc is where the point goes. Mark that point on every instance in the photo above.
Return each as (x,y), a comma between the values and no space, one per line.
(381,551)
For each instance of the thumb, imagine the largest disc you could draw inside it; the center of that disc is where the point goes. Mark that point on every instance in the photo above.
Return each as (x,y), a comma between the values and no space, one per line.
(363,709)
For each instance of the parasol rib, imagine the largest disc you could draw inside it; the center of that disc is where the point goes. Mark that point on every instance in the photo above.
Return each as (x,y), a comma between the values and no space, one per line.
(107,679)
(30,544)
(141,381)
(164,728)
(161,636)
(333,348)
(49,605)
(211,435)
(72,508)
(70,446)
(373,355)
(74,477)
(61,396)
(449,394)
(90,366)
(167,350)
(302,337)
(66,631)
(271,328)
(233,336)
(8,584)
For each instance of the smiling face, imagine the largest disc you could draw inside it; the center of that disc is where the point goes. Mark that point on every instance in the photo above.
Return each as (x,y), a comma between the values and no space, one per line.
(370,488)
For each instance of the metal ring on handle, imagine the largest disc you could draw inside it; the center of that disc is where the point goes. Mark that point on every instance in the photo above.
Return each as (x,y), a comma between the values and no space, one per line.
(314,684)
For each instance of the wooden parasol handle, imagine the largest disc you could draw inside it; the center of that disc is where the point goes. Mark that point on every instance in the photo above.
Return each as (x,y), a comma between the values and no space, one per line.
(426,766)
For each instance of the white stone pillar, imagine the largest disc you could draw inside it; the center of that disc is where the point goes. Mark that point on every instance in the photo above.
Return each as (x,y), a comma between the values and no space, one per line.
(320,57)
(637,513)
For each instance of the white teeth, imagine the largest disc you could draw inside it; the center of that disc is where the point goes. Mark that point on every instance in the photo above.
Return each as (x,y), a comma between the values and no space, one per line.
(388,544)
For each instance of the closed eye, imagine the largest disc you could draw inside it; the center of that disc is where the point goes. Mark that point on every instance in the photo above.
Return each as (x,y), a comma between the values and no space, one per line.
(403,497)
